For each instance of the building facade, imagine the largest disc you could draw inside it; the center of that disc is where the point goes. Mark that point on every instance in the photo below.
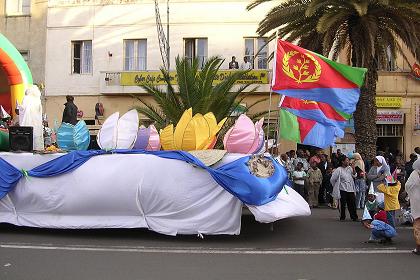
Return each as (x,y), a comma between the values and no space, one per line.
(94,46)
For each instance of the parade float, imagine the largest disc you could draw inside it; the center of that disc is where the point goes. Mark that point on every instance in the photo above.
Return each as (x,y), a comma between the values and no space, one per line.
(189,190)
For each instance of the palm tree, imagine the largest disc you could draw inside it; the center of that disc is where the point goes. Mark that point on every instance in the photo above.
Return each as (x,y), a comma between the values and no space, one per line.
(197,90)
(366,31)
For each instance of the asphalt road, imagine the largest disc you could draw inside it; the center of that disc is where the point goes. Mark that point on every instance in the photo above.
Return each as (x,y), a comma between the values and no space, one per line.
(315,247)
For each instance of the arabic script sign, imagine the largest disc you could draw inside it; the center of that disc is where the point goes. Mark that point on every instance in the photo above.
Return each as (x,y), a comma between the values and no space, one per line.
(156,77)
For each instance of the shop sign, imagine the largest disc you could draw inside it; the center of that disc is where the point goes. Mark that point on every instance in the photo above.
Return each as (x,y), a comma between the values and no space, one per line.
(389,102)
(390,117)
(417,118)
(156,78)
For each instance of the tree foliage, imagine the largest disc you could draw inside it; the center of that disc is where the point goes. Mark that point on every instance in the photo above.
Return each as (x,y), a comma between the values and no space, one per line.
(196,89)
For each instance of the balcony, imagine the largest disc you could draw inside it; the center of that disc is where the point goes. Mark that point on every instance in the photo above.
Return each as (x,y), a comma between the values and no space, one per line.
(128,82)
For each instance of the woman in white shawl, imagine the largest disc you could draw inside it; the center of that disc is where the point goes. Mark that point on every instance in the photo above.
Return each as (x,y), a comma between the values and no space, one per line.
(344,190)
(412,186)
(30,113)
(377,175)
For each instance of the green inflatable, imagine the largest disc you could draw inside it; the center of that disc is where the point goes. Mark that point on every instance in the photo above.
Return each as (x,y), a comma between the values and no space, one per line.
(4,140)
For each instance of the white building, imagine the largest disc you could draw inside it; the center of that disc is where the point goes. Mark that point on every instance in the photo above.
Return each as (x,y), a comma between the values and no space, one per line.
(90,42)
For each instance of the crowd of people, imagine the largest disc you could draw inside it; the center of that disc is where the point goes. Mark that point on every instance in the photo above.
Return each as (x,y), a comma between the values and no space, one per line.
(380,186)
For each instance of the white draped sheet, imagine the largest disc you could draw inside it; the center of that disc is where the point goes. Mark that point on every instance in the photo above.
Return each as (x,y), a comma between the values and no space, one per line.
(133,191)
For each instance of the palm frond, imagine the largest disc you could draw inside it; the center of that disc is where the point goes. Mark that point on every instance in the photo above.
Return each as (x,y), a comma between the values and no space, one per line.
(255,4)
(153,113)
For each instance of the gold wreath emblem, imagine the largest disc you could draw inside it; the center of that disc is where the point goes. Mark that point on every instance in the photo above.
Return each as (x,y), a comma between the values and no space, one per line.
(301,66)
(309,102)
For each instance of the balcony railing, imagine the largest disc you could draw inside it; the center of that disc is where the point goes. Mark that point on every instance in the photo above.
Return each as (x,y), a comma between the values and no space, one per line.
(112,78)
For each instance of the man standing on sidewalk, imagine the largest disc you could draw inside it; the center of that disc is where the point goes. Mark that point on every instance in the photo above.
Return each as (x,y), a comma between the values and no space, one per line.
(314,184)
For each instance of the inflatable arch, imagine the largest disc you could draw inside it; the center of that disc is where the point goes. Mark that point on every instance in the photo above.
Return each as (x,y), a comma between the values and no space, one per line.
(17,71)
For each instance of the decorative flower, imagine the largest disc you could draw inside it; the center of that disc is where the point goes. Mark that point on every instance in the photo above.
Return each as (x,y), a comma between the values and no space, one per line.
(147,139)
(245,137)
(119,133)
(191,133)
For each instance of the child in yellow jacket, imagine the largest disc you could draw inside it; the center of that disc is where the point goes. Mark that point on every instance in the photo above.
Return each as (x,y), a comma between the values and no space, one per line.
(391,191)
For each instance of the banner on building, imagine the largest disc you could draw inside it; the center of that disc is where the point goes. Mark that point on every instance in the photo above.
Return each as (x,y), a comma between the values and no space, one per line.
(389,117)
(156,77)
(417,118)
(389,102)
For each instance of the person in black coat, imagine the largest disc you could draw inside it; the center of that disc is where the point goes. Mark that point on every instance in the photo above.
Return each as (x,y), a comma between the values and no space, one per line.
(322,165)
(409,165)
(70,111)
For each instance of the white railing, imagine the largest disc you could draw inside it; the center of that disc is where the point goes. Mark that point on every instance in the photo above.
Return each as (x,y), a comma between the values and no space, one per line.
(112,78)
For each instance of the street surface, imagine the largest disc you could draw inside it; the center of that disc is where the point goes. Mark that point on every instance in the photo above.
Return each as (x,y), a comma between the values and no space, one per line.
(315,247)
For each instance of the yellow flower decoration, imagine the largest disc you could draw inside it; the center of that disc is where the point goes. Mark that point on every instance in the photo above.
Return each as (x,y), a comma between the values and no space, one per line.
(196,132)
(167,138)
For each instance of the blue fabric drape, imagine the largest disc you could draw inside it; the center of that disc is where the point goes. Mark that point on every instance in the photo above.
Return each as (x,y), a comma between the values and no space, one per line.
(9,177)
(234,177)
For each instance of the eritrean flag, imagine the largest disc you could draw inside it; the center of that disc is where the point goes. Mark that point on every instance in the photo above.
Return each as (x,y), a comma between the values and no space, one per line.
(302,74)
(306,131)
(320,112)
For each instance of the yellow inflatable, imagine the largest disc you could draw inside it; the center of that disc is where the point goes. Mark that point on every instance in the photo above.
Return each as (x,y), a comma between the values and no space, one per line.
(191,133)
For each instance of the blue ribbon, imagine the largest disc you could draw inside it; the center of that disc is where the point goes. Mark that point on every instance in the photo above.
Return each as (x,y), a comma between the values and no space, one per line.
(234,177)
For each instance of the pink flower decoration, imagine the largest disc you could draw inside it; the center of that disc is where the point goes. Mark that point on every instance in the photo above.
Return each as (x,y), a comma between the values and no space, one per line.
(243,137)
(147,139)
(154,139)
(257,141)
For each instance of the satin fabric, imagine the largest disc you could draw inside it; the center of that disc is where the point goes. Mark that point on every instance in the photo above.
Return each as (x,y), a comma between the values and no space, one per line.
(73,137)
(234,177)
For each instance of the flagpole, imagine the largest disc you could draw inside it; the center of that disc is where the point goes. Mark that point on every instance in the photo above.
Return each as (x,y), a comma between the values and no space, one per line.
(278,119)
(269,117)
(271,92)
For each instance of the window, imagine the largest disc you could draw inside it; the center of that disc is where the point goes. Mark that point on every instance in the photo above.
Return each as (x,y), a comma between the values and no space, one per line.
(257,47)
(135,53)
(81,57)
(18,7)
(390,130)
(196,47)
(25,55)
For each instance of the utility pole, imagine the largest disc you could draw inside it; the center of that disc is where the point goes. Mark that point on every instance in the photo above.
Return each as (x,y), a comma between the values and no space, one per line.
(168,48)
(163,38)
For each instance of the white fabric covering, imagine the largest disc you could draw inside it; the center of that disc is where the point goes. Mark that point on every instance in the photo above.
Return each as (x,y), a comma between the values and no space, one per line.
(287,204)
(134,191)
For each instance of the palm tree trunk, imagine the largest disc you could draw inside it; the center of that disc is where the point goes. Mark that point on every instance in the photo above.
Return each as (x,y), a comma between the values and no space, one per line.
(365,115)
